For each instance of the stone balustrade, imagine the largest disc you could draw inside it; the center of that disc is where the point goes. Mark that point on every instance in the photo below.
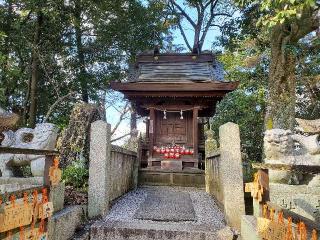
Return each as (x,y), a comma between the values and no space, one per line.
(113,170)
(224,176)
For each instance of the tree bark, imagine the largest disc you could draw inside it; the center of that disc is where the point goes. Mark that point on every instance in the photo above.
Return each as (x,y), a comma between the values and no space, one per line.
(35,71)
(5,53)
(282,82)
(82,77)
(282,73)
(133,124)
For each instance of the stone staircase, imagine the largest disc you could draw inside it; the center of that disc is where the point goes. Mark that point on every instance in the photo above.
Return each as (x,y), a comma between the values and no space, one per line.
(154,212)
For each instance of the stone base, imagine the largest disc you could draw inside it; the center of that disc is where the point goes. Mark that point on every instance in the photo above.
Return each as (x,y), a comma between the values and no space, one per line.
(249,228)
(57,196)
(188,177)
(301,199)
(22,181)
(174,165)
(62,225)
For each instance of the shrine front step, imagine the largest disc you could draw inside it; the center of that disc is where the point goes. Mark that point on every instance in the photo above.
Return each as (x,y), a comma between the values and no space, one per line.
(129,231)
(159,177)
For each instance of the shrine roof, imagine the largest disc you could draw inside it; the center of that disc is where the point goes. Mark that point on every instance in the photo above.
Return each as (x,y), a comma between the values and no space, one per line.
(176,68)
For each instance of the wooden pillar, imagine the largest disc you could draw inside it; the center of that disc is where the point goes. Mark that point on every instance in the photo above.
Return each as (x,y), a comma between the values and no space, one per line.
(151,131)
(195,133)
(147,128)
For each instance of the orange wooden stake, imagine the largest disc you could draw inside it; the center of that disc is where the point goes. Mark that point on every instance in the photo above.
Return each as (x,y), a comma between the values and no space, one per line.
(44,195)
(265,210)
(41,226)
(302,231)
(13,200)
(21,234)
(289,235)
(25,198)
(272,211)
(314,235)
(35,197)
(280,217)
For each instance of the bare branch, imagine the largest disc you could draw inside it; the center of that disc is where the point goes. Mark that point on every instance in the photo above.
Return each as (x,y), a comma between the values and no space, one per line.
(216,25)
(209,23)
(59,100)
(118,138)
(183,13)
(184,36)
(122,116)
(222,14)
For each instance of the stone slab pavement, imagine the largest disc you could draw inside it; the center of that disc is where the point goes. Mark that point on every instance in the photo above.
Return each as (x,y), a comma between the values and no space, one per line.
(159,212)
(166,206)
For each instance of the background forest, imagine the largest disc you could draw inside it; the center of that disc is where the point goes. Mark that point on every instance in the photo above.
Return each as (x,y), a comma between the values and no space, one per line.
(56,53)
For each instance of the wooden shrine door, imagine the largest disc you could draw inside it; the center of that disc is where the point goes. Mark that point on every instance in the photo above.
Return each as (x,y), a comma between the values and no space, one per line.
(172,129)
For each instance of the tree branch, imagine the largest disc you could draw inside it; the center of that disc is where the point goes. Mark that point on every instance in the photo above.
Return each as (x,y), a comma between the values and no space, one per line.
(222,14)
(184,36)
(122,115)
(118,138)
(59,100)
(182,12)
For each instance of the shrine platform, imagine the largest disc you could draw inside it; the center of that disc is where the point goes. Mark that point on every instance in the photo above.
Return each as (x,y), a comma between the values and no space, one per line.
(187,177)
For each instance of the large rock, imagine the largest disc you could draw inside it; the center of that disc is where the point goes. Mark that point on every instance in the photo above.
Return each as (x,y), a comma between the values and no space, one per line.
(75,138)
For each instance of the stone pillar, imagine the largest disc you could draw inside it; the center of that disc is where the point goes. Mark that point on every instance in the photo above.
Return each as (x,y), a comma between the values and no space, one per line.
(211,147)
(231,174)
(99,169)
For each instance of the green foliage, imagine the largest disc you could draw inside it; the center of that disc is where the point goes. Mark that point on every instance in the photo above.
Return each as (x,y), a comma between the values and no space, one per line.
(279,11)
(76,175)
(245,106)
(83,46)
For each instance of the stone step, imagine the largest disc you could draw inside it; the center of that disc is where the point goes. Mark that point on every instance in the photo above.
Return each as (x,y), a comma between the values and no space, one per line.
(131,231)
(185,178)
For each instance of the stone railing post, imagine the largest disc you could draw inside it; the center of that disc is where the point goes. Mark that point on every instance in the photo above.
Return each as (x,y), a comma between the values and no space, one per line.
(211,146)
(99,169)
(231,173)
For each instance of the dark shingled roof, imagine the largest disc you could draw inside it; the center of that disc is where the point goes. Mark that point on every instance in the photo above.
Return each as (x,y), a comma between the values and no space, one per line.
(177,68)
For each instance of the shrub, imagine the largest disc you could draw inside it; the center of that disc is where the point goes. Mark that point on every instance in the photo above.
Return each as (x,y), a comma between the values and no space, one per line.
(76,175)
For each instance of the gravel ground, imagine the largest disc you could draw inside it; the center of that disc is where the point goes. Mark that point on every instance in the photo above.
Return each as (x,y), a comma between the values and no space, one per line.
(208,216)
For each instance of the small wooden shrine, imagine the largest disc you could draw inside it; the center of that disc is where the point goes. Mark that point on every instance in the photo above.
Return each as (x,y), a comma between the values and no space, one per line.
(174,91)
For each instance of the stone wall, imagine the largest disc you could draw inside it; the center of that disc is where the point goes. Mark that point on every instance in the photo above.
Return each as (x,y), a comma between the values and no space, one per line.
(224,176)
(212,176)
(123,171)
(113,170)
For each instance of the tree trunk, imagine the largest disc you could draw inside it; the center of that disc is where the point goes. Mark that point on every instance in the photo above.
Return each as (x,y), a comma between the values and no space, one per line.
(35,71)
(133,124)
(6,53)
(82,77)
(282,82)
(75,141)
